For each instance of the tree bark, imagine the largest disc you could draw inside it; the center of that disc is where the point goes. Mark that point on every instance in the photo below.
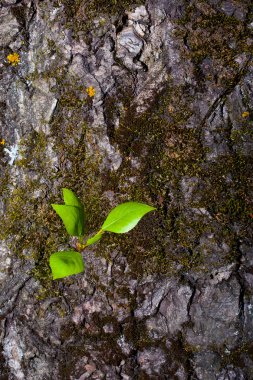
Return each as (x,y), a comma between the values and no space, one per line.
(120,100)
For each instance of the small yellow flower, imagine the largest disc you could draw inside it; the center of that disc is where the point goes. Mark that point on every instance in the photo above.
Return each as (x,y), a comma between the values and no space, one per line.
(2,142)
(13,59)
(245,114)
(90,91)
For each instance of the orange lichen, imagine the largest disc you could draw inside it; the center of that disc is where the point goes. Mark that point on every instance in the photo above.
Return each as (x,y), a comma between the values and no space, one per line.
(245,114)
(90,91)
(13,59)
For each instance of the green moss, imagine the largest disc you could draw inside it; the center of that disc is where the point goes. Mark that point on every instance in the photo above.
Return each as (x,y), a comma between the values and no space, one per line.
(238,357)
(80,15)
(29,219)
(79,8)
(166,150)
(169,152)
(216,36)
(107,348)
(148,136)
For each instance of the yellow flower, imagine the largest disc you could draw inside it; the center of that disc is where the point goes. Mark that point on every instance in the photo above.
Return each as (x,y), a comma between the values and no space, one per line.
(13,59)
(245,114)
(2,142)
(90,91)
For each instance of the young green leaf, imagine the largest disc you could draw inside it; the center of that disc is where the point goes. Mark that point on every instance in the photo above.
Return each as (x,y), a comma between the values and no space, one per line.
(66,263)
(94,238)
(124,217)
(70,199)
(72,217)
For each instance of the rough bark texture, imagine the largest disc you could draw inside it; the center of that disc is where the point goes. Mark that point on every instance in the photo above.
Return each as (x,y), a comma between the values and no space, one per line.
(170,125)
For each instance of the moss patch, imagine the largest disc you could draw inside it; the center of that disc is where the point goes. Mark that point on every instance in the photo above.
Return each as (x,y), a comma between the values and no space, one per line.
(80,14)
(165,149)
(169,152)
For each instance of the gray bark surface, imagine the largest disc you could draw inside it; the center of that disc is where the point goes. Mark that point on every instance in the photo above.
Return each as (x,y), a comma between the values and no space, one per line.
(171,125)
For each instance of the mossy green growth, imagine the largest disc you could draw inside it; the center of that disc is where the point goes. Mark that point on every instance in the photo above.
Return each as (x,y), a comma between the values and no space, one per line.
(77,170)
(216,37)
(164,149)
(28,216)
(78,8)
(27,220)
(80,15)
(165,152)
(237,356)
(168,152)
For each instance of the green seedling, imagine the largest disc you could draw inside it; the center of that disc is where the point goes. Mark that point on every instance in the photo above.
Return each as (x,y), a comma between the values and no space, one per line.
(120,220)
(71,213)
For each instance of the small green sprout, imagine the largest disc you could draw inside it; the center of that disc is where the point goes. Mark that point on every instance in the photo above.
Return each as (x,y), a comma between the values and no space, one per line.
(121,219)
(71,213)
